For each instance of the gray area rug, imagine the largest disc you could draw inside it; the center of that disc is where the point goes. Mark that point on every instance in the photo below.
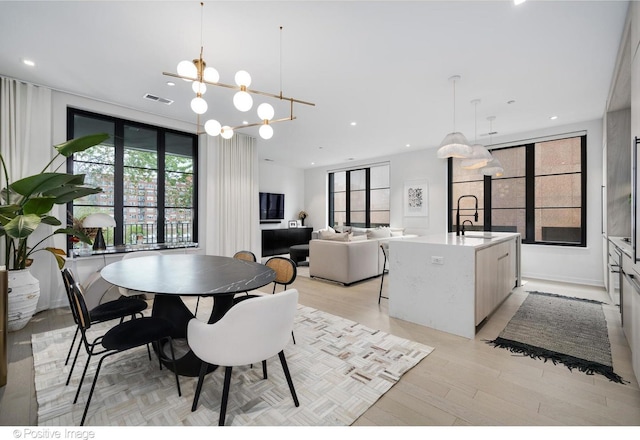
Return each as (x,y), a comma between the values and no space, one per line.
(339,368)
(570,331)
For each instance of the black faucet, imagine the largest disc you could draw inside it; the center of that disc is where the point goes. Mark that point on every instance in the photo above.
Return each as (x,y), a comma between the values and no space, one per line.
(475,216)
(462,226)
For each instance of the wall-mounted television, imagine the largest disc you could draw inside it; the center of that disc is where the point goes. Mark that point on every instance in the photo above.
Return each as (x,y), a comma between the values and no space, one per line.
(271,206)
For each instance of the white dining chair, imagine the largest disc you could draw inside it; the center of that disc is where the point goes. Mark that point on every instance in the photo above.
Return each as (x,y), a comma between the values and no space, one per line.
(252,331)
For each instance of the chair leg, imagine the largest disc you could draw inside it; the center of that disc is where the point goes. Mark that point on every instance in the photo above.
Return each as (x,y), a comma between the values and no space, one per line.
(197,304)
(203,371)
(293,336)
(84,373)
(381,283)
(264,369)
(173,362)
(285,368)
(75,358)
(225,395)
(93,387)
(72,344)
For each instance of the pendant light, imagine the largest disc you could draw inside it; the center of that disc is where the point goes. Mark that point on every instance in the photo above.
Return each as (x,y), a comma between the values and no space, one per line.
(455,144)
(493,167)
(480,156)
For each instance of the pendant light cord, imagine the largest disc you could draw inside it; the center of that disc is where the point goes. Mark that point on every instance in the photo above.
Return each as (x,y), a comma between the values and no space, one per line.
(280,62)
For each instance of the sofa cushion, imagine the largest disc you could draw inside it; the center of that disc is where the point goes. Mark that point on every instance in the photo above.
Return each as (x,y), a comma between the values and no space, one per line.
(336,236)
(326,234)
(378,233)
(353,237)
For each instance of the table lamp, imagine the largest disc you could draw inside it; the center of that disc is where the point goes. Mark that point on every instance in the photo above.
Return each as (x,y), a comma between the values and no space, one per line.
(99,220)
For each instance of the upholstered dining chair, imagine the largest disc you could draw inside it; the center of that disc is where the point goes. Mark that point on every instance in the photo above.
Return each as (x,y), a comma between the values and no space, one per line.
(385,268)
(253,330)
(121,337)
(116,309)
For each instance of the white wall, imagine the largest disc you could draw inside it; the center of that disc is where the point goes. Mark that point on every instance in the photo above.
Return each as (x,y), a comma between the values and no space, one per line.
(276,178)
(403,167)
(568,264)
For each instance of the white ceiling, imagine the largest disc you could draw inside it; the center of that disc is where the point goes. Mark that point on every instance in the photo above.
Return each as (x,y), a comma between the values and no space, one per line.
(383,64)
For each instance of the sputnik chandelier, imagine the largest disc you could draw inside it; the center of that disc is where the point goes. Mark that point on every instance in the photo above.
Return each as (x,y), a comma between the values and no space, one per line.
(200,76)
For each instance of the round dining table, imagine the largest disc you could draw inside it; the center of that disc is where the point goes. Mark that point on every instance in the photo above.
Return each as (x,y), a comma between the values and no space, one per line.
(172,276)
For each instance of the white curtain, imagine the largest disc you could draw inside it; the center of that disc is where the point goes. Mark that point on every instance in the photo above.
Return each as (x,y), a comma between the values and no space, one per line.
(232,211)
(26,145)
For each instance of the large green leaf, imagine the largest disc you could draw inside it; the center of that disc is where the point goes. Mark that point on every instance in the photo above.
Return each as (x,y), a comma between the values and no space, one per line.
(38,205)
(22,226)
(50,220)
(68,193)
(40,183)
(81,143)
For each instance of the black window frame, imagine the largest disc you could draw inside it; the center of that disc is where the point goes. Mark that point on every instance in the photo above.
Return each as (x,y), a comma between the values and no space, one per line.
(529,237)
(118,182)
(367,190)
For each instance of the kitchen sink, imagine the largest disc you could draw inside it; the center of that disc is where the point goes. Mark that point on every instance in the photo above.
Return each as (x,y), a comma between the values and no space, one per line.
(485,235)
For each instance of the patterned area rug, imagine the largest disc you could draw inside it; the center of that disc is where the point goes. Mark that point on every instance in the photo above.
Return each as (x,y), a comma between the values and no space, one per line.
(570,331)
(339,368)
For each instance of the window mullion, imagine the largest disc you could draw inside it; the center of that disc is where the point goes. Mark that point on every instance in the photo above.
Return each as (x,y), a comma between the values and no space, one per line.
(118,183)
(530,197)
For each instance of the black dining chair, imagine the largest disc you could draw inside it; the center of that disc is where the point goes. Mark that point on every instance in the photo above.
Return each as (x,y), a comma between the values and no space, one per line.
(121,337)
(111,310)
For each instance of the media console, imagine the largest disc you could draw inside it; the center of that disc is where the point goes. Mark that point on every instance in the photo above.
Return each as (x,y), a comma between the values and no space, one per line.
(278,241)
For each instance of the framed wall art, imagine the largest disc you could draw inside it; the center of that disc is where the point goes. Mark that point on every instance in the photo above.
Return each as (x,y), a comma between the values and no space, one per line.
(416,200)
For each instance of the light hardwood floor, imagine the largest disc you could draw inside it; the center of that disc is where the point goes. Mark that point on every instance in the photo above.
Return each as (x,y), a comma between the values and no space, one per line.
(463,382)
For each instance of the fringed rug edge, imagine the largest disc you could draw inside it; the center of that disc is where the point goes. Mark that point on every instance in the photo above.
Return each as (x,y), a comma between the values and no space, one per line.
(570,362)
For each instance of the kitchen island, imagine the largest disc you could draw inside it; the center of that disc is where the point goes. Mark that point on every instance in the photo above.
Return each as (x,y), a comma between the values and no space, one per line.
(452,283)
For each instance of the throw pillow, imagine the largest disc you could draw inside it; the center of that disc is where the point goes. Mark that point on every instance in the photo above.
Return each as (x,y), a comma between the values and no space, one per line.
(338,236)
(379,233)
(396,233)
(325,234)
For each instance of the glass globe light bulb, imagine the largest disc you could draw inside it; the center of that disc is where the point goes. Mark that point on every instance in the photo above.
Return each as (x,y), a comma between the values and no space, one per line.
(198,105)
(211,75)
(265,111)
(199,87)
(187,68)
(212,127)
(227,132)
(243,78)
(266,132)
(243,101)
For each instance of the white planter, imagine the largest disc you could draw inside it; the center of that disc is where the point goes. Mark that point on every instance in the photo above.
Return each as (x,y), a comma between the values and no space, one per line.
(23,298)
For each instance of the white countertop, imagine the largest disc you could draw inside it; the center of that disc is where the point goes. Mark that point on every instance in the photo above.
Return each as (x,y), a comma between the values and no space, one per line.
(622,245)
(475,239)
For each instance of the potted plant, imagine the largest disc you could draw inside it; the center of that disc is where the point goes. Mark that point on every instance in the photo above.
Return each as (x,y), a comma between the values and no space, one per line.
(25,205)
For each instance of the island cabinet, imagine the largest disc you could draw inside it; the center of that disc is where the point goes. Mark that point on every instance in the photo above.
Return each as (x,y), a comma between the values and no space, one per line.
(495,277)
(452,283)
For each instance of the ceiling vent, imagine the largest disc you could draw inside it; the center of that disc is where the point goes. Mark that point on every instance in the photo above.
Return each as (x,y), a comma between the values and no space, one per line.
(155,98)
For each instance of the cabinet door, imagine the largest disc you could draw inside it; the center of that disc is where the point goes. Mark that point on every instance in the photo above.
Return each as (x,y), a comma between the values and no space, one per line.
(626,303)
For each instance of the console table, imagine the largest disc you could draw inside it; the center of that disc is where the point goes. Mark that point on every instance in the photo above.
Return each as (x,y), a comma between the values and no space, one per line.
(278,241)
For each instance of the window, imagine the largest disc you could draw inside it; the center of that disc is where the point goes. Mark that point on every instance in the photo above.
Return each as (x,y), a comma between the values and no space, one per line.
(541,195)
(360,197)
(148,177)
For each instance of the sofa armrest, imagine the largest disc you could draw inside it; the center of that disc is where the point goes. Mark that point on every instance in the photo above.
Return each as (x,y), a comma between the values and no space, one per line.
(344,262)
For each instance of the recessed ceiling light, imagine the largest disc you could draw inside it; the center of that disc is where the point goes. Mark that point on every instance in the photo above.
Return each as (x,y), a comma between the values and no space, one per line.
(313,163)
(29,63)
(408,145)
(245,122)
(553,118)
(171,83)
(518,2)
(353,123)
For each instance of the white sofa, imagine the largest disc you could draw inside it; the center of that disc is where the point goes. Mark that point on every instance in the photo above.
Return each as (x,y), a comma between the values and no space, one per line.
(347,262)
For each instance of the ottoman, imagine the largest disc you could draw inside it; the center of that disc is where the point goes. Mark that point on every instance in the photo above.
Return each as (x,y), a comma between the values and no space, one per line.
(299,253)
